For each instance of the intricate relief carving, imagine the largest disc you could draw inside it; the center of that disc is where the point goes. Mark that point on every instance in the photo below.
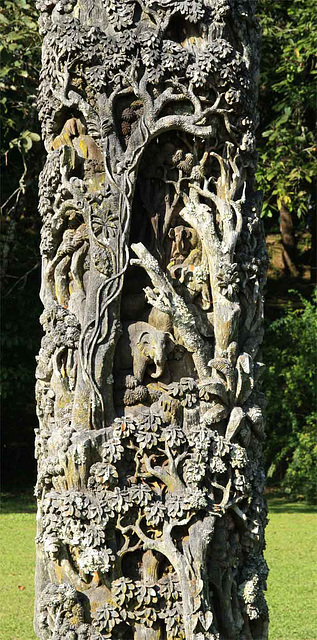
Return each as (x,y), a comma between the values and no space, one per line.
(151,515)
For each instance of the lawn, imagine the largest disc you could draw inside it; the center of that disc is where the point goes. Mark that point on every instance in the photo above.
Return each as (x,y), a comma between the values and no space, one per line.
(291,554)
(17,533)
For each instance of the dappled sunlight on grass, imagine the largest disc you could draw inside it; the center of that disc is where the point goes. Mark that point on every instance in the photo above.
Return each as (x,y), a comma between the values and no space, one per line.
(23,503)
(280,505)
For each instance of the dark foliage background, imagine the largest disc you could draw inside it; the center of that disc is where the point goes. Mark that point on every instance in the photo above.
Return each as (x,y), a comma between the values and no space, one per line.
(21,160)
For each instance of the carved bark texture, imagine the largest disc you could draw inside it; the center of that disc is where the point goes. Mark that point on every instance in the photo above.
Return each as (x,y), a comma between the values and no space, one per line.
(150,479)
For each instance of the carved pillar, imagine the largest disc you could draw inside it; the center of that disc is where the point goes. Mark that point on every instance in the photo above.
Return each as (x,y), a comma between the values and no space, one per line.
(150,480)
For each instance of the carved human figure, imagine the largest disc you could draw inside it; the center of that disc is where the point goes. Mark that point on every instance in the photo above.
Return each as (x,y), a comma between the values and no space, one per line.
(188,265)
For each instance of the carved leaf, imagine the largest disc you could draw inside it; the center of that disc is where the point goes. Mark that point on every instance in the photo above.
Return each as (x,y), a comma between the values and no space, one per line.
(155,513)
(238,457)
(91,560)
(235,422)
(245,381)
(123,590)
(206,619)
(194,471)
(216,413)
(106,617)
(255,416)
(174,436)
(209,389)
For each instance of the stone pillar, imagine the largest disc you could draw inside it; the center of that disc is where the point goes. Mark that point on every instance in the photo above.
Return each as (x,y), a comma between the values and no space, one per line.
(150,477)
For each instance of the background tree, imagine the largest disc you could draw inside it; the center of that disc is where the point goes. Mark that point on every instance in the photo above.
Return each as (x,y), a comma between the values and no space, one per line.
(21,161)
(290,383)
(287,145)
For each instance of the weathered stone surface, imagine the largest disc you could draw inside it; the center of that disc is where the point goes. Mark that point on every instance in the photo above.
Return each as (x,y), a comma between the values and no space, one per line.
(150,508)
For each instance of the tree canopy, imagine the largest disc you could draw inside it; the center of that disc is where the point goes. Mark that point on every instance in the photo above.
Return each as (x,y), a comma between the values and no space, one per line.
(287,145)
(20,52)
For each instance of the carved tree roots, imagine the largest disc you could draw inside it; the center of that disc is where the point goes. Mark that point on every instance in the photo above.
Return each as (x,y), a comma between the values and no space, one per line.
(150,480)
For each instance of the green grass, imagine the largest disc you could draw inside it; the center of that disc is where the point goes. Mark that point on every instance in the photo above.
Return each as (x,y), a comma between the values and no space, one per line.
(291,554)
(17,533)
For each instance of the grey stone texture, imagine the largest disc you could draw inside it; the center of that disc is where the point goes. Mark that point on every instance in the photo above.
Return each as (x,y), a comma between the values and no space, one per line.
(150,509)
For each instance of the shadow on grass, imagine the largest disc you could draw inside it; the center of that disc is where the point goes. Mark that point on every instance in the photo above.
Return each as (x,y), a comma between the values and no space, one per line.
(17,502)
(283,505)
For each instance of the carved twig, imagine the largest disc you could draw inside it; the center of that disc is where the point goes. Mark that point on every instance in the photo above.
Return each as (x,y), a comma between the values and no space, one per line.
(169,477)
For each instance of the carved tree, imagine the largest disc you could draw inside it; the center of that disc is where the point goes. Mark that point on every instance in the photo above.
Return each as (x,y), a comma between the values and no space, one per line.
(150,479)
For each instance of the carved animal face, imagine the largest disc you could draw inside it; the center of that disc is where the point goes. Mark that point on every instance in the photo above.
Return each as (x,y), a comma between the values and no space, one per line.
(155,346)
(184,239)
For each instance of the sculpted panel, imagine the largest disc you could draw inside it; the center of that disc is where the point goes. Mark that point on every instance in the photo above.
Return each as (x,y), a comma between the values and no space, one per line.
(150,510)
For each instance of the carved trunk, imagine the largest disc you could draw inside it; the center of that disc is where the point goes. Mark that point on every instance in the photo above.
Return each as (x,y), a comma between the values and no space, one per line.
(150,480)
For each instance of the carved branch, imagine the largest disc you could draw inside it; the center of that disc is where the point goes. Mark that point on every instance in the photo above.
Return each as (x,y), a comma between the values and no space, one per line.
(169,477)
(168,301)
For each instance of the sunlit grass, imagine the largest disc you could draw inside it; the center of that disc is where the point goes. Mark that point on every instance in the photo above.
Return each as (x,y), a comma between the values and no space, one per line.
(291,554)
(17,532)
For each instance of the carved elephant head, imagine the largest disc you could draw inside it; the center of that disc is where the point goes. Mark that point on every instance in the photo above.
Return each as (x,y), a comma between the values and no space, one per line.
(149,346)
